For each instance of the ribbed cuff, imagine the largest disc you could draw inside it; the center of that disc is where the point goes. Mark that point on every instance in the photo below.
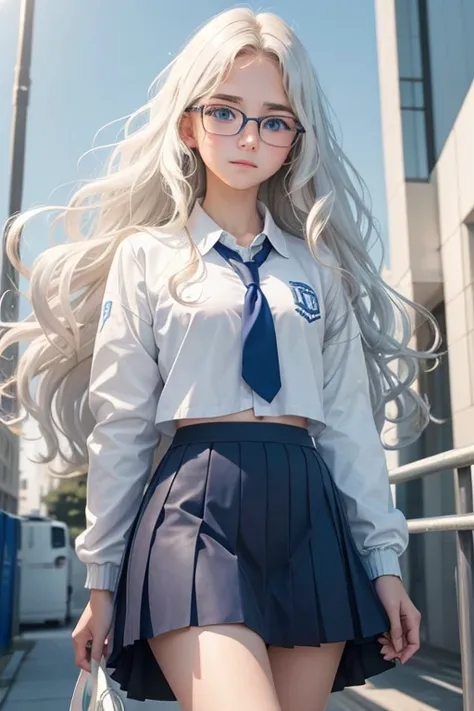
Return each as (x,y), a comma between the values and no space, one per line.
(381,561)
(102,576)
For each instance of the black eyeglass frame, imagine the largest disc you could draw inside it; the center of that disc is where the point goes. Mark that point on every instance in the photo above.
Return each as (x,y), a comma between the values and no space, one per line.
(245,120)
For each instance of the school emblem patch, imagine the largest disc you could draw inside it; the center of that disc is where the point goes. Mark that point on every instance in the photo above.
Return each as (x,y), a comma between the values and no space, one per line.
(106,313)
(306,301)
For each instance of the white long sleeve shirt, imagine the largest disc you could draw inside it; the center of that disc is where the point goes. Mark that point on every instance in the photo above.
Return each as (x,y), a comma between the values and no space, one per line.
(156,360)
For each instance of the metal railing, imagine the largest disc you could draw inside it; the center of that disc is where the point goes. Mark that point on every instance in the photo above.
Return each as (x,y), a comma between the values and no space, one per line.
(459,460)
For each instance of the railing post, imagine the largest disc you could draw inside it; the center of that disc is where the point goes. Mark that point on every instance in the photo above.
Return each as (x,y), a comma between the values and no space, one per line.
(465,559)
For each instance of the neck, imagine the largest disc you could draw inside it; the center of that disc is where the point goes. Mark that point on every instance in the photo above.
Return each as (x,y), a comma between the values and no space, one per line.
(234,210)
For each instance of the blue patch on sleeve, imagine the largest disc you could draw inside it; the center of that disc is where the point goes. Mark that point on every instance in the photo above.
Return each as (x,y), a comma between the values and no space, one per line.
(106,311)
(306,301)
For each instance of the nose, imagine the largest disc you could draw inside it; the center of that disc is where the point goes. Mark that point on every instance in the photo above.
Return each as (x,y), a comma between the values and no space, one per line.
(249,136)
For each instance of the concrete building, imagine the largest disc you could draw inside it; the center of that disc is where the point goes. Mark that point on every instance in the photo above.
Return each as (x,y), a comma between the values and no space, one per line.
(35,481)
(426,70)
(8,471)
(10,446)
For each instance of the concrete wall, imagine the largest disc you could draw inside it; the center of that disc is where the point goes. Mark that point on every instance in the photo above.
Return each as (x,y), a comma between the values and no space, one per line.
(454,177)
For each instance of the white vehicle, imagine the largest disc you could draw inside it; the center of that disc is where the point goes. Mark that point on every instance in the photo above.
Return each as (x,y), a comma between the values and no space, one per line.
(45,582)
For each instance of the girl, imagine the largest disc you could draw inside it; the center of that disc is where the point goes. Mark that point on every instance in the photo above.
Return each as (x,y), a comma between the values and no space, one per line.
(220,294)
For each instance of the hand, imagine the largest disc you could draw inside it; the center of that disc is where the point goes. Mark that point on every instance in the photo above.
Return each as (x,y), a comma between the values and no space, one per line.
(403,640)
(94,625)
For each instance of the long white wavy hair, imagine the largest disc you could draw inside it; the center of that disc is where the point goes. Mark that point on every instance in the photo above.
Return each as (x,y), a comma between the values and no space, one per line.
(151,180)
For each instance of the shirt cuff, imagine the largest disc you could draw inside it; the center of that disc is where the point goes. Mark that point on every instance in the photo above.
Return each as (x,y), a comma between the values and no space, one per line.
(381,561)
(102,576)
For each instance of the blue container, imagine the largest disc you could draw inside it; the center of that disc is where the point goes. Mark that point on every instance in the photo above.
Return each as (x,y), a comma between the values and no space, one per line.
(9,544)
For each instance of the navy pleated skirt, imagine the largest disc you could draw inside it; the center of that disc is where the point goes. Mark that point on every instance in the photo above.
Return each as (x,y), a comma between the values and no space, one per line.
(242,523)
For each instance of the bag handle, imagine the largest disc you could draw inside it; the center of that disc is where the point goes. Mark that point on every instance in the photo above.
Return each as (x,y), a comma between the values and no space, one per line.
(101,690)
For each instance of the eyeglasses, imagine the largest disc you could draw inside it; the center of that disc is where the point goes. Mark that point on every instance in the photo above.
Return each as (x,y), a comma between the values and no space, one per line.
(280,131)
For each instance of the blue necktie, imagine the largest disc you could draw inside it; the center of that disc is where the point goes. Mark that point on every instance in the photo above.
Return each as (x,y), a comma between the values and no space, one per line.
(260,365)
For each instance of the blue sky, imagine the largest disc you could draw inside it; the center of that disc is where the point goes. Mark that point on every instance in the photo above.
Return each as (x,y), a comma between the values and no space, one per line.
(93,61)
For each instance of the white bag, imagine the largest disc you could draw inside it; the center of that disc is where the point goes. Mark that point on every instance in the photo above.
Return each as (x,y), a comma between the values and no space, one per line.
(93,692)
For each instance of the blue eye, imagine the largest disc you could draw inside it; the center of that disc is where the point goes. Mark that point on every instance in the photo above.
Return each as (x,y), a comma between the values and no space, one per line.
(221,113)
(275,124)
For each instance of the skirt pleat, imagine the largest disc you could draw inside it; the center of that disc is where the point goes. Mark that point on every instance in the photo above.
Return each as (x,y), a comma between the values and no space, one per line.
(242,523)
(216,563)
(149,518)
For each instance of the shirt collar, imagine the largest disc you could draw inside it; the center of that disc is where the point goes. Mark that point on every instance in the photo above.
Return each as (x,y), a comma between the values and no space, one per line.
(206,233)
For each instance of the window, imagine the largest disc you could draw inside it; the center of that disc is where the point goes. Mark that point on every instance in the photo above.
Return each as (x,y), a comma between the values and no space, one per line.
(414,144)
(415,88)
(23,484)
(450,26)
(58,537)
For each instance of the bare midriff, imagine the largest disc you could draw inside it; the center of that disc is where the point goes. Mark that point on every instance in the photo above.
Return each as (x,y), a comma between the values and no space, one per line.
(247,416)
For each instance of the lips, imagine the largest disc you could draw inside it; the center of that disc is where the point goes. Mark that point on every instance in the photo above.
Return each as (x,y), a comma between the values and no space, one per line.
(243,162)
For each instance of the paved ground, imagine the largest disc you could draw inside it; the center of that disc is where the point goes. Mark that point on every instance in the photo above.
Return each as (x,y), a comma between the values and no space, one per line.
(424,684)
(47,677)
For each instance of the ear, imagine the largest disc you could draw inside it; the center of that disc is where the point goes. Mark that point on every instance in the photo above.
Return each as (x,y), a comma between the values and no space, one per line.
(186,131)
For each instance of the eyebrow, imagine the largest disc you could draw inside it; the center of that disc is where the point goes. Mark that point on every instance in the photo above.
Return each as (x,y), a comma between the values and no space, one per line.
(239,100)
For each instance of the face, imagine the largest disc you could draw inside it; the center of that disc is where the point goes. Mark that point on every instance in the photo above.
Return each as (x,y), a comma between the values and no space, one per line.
(254,86)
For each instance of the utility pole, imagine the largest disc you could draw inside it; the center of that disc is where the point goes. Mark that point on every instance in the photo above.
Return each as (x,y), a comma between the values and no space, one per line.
(9,280)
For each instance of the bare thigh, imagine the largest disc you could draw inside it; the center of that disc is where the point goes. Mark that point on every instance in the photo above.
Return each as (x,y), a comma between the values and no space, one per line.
(217,667)
(303,676)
